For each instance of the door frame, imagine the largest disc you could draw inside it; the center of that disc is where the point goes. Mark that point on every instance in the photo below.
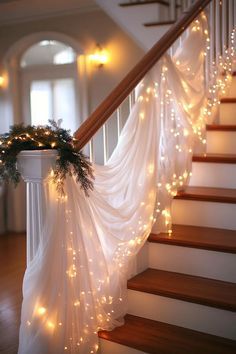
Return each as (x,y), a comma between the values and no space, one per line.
(12,64)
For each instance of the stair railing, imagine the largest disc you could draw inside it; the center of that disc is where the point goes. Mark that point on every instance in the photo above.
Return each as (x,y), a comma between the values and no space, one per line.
(117,105)
(175,7)
(178,7)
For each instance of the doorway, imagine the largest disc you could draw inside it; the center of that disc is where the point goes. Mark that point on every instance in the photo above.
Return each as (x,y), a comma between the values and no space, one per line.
(49,85)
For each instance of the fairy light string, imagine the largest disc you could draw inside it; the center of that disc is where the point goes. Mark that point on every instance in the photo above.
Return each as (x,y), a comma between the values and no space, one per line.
(69,161)
(96,302)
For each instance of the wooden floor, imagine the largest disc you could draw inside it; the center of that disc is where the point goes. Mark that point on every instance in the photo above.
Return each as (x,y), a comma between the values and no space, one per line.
(12,267)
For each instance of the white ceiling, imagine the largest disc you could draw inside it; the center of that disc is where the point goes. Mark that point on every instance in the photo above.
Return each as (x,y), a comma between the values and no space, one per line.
(12,11)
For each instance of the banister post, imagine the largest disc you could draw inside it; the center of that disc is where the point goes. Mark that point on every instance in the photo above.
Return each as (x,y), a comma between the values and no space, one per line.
(2,206)
(35,167)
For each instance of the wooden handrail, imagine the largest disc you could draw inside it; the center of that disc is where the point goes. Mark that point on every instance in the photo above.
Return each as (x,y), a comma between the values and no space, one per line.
(125,87)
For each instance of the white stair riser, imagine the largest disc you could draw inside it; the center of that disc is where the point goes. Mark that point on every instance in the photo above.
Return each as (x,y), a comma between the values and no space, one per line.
(181,313)
(107,347)
(199,213)
(193,261)
(221,142)
(232,89)
(207,174)
(141,261)
(228,113)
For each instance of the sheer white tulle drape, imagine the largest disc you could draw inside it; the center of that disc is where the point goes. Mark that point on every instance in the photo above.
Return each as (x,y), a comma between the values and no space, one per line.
(76,283)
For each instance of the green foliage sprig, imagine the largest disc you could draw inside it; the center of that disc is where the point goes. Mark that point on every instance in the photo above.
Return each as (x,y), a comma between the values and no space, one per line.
(69,161)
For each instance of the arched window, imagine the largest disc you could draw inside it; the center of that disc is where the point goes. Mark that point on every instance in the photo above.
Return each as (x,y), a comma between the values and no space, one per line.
(48,52)
(49,84)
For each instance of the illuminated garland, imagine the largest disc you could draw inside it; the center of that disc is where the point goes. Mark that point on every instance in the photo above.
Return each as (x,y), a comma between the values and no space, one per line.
(69,161)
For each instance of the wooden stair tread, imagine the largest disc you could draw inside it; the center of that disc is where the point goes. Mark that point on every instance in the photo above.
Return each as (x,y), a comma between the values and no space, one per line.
(147,2)
(216,158)
(228,100)
(198,237)
(204,291)
(222,195)
(159,23)
(156,337)
(221,127)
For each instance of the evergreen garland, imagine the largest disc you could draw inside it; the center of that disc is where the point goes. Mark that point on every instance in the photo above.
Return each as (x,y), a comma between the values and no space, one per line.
(69,160)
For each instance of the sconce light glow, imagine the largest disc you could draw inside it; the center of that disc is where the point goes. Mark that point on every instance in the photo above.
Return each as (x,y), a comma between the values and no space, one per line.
(100,56)
(1,81)
(41,311)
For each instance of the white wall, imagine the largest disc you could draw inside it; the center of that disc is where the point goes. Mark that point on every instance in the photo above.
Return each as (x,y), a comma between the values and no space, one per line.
(86,29)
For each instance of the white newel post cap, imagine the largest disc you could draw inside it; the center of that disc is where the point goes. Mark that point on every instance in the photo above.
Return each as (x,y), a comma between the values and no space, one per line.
(35,165)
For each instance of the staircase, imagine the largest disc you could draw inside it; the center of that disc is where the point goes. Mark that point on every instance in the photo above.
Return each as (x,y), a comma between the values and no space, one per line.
(184,298)
(185,301)
(146,21)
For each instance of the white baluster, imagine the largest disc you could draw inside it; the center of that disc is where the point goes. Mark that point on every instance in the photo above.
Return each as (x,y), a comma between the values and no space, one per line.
(105,142)
(119,123)
(218,30)
(131,100)
(172,10)
(189,3)
(170,51)
(35,167)
(207,64)
(212,36)
(230,16)
(234,24)
(224,21)
(91,151)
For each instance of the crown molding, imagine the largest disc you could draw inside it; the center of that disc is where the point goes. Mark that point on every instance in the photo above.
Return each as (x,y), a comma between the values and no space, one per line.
(51,14)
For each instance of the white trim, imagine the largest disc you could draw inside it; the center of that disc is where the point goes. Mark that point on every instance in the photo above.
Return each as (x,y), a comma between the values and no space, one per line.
(53,14)
(68,69)
(18,48)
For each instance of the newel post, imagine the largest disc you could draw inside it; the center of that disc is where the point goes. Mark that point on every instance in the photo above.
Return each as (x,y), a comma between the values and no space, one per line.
(35,167)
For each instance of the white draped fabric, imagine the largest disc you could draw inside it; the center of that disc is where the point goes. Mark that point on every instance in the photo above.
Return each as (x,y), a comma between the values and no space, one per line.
(76,282)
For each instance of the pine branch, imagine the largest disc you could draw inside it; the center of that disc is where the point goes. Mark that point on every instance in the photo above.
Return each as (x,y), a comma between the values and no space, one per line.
(69,161)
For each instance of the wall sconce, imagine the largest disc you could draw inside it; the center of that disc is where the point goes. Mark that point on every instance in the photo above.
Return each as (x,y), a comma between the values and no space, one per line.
(100,56)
